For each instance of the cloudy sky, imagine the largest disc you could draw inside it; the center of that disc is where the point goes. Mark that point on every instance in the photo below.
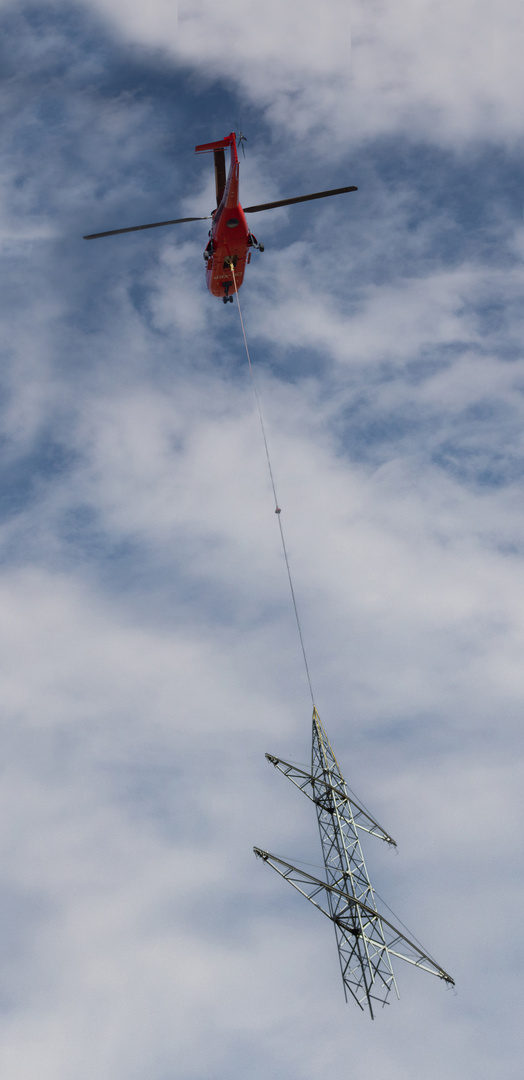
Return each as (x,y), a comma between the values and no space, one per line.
(148,651)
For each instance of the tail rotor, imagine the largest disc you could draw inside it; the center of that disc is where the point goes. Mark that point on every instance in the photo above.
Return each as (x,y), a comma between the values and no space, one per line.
(241,138)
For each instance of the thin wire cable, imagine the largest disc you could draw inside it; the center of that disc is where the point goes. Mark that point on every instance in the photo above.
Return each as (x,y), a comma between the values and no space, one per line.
(277,507)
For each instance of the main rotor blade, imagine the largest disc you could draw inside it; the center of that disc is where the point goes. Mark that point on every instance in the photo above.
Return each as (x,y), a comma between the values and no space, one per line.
(298,198)
(137,228)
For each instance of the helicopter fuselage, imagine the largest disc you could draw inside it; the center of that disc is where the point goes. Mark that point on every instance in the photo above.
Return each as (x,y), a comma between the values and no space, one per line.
(230,240)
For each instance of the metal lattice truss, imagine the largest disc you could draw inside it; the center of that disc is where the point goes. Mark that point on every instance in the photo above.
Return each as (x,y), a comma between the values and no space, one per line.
(366,941)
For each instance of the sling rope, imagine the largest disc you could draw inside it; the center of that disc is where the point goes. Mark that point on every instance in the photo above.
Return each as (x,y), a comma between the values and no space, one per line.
(271,476)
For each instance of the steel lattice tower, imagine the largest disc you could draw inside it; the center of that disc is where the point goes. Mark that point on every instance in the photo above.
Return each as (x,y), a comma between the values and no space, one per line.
(366,941)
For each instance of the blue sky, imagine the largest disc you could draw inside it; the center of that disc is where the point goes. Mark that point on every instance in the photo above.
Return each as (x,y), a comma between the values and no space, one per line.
(148,652)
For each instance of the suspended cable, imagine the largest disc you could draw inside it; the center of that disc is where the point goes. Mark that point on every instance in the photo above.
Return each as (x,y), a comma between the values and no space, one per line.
(271,476)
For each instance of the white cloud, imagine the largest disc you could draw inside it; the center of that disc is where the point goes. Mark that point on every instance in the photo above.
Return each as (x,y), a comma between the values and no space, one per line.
(446,71)
(344,72)
(442,71)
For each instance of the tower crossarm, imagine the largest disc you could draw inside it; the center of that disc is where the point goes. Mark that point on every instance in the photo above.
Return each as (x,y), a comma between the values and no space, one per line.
(376,931)
(324,795)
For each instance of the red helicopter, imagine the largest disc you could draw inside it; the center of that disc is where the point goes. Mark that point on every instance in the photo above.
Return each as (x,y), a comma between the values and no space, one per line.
(230,238)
